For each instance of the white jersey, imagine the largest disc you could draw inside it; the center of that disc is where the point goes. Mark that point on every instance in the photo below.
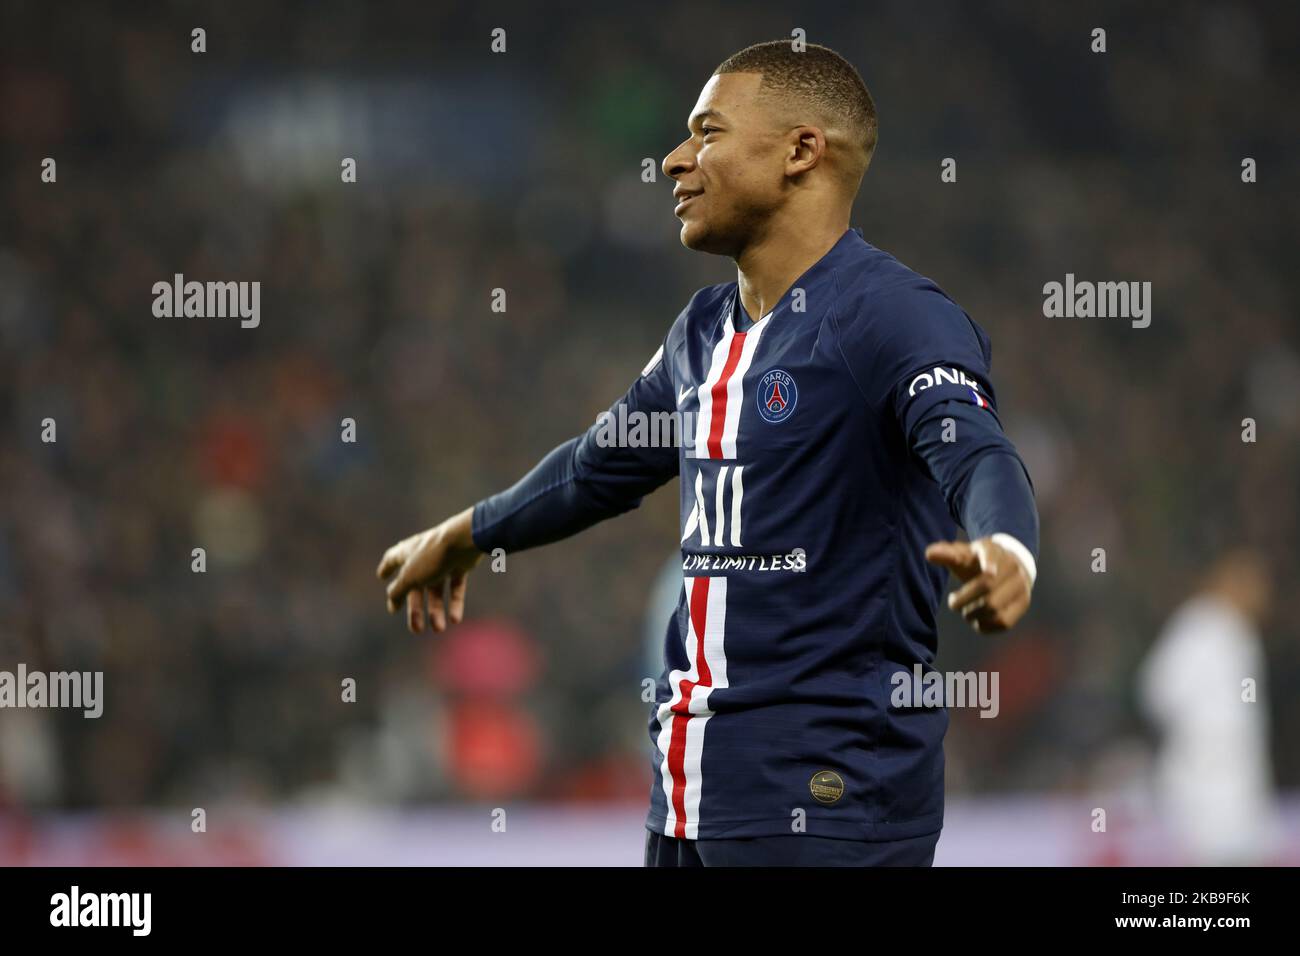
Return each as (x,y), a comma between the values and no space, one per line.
(1213,773)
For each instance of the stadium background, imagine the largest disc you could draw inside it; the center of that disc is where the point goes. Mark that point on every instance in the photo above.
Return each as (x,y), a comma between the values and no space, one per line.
(522,171)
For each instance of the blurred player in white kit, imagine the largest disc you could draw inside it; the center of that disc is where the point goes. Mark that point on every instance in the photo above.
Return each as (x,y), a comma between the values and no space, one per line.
(1214,776)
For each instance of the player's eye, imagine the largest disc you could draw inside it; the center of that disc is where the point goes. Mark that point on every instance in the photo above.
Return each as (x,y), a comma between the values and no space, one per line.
(706,130)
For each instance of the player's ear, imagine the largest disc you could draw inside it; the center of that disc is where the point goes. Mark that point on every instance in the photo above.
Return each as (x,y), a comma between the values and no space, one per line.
(807,146)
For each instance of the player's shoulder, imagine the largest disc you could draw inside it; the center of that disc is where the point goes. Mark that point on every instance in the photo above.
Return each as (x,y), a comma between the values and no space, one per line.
(875,287)
(706,308)
(708,302)
(883,306)
(703,306)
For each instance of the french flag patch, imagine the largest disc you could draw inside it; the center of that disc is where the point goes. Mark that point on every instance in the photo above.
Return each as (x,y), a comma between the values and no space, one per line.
(977,398)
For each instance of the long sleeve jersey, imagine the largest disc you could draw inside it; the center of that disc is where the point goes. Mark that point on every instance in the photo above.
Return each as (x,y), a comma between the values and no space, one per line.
(820,449)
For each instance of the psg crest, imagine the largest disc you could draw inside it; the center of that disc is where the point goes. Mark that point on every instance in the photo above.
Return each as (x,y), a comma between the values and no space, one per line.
(777,395)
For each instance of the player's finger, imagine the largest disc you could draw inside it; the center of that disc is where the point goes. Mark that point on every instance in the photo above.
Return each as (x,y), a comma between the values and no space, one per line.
(954,555)
(983,613)
(391,561)
(976,587)
(947,552)
(997,596)
(1007,591)
(1013,612)
(459,584)
(415,610)
(986,561)
(1001,587)
(1002,608)
(399,588)
(988,623)
(388,563)
(437,608)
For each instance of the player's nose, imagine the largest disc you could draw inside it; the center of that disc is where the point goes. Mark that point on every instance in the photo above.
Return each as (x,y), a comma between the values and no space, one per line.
(679,161)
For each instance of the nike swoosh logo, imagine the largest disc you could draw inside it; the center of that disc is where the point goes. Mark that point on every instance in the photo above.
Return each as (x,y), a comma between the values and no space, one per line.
(686,390)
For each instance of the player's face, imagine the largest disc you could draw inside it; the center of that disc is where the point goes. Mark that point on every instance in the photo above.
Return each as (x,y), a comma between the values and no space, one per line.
(729,173)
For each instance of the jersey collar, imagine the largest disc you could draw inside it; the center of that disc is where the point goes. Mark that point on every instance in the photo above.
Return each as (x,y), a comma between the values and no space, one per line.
(819,274)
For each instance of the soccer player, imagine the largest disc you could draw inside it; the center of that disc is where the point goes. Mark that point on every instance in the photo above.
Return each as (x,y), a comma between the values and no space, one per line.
(1214,775)
(844,423)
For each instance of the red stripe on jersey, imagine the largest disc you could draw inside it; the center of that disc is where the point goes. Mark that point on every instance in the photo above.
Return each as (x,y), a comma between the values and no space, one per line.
(682,709)
(719,393)
(699,613)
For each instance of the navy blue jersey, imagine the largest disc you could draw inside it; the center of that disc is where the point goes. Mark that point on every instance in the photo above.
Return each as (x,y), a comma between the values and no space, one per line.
(805,514)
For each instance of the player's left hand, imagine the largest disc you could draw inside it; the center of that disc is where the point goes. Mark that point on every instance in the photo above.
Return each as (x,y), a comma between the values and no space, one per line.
(995,591)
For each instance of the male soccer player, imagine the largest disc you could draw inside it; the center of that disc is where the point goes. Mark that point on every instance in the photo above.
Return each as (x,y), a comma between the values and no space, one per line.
(844,421)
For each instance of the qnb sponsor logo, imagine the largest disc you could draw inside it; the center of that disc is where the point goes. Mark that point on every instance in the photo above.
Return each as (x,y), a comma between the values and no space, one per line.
(70,689)
(622,428)
(1101,300)
(927,689)
(213,300)
(133,910)
(796,560)
(941,376)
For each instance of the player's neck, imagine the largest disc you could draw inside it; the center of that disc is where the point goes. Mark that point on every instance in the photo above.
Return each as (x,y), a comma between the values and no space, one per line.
(767,268)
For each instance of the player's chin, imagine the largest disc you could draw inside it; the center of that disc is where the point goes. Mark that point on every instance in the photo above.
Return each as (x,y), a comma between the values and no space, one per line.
(697,237)
(690,235)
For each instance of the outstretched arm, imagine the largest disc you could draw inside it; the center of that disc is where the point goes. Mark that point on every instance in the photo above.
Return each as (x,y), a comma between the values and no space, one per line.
(594,476)
(914,351)
(989,494)
(587,479)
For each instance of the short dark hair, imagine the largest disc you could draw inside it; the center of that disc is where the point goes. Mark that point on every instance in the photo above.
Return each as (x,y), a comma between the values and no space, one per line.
(818,76)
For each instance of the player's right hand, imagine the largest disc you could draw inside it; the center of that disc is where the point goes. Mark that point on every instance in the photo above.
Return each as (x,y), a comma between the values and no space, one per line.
(996,589)
(424,565)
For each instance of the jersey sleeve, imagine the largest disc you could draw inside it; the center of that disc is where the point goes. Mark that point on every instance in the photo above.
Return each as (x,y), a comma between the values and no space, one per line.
(592,476)
(983,479)
(917,357)
(926,351)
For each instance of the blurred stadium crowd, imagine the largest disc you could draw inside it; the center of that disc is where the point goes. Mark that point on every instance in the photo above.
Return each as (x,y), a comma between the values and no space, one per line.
(522,171)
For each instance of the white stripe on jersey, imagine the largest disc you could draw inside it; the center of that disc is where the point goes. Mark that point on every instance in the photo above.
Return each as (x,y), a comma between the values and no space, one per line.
(737,492)
(704,421)
(735,388)
(719,508)
(699,513)
(715,655)
(692,520)
(715,659)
